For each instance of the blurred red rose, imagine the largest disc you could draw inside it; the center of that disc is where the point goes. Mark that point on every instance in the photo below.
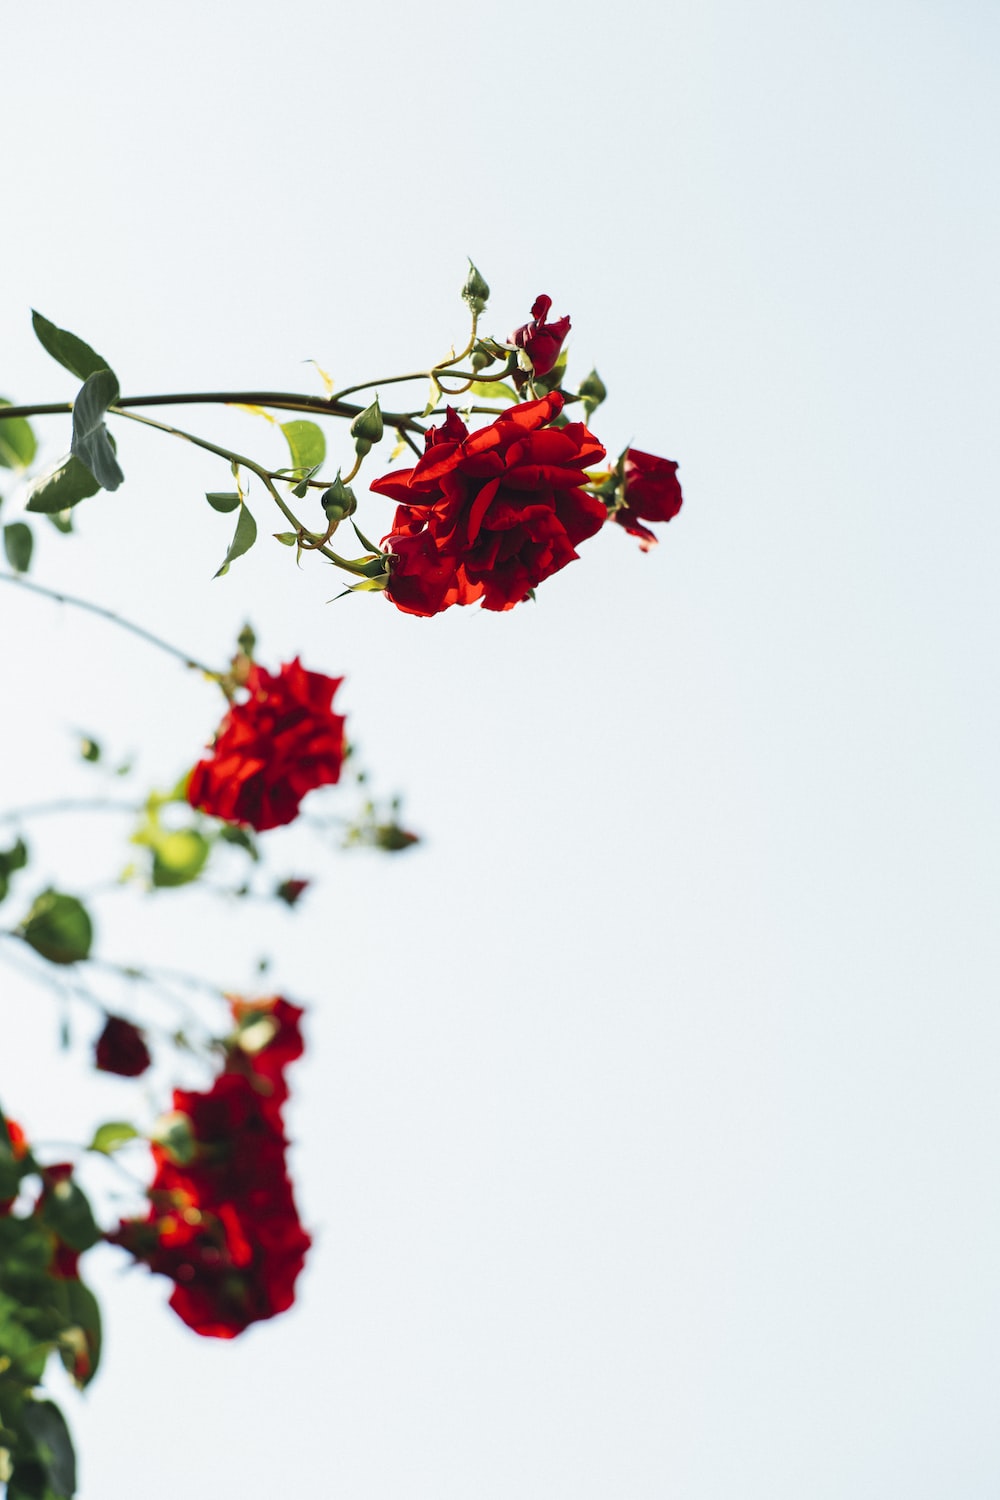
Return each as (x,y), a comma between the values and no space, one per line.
(268,1038)
(652,493)
(541,341)
(490,515)
(223,1224)
(121,1048)
(272,748)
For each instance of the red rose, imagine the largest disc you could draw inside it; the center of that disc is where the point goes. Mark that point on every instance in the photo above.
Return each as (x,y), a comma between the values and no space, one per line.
(490,515)
(272,748)
(121,1048)
(268,1038)
(652,493)
(541,341)
(223,1226)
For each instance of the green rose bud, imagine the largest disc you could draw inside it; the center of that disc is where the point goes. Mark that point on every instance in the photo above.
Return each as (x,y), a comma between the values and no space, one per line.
(475,291)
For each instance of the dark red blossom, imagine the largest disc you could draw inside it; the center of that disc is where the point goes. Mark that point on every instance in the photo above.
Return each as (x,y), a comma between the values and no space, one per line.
(222,1222)
(489,515)
(277,744)
(121,1048)
(652,493)
(541,341)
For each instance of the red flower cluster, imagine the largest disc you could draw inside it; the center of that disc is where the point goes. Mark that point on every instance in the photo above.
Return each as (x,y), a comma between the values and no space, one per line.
(223,1225)
(121,1048)
(489,515)
(541,341)
(272,748)
(652,493)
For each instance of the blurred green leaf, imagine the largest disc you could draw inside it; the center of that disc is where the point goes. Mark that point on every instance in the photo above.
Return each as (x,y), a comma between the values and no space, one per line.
(223,500)
(68,1214)
(46,1427)
(72,353)
(306,444)
(18,543)
(59,928)
(60,488)
(62,521)
(82,1313)
(112,1135)
(179,858)
(246,535)
(91,442)
(14,858)
(17,441)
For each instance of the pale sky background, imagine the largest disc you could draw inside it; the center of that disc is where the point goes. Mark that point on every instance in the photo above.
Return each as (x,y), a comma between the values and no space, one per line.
(650,1130)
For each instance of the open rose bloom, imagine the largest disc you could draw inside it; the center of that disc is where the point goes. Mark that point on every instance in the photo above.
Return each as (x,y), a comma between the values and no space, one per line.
(271,749)
(488,515)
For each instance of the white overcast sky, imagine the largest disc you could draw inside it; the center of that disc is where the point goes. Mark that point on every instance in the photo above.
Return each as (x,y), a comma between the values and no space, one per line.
(650,1131)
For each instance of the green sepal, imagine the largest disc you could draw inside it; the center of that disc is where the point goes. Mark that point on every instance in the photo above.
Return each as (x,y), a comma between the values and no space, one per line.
(475,291)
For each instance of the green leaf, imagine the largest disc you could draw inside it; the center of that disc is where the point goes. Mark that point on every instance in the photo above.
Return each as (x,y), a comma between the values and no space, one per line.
(67,1212)
(306,444)
(91,443)
(46,1426)
(286,538)
(58,928)
(11,859)
(83,1317)
(18,543)
(493,390)
(246,535)
(223,500)
(17,441)
(55,491)
(70,351)
(112,1135)
(179,858)
(62,521)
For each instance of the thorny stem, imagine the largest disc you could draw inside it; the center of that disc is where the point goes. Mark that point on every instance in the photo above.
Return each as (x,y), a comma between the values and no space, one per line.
(109,614)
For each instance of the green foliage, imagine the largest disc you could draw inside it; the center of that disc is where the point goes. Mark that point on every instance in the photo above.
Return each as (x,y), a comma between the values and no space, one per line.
(223,500)
(111,1136)
(68,1214)
(18,544)
(17,441)
(54,492)
(91,442)
(246,535)
(59,928)
(306,444)
(179,854)
(45,1464)
(72,353)
(14,858)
